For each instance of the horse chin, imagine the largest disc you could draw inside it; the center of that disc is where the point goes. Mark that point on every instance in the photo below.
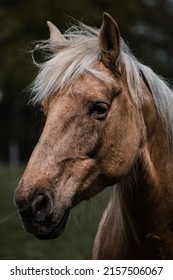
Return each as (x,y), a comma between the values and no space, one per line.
(57,230)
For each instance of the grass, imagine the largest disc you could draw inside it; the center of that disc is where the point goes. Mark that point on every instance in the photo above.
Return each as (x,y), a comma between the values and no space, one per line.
(75,243)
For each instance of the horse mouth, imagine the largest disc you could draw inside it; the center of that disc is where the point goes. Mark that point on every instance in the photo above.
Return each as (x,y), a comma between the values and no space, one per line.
(57,230)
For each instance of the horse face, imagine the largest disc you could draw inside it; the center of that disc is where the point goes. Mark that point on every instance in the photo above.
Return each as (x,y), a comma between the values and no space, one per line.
(89,141)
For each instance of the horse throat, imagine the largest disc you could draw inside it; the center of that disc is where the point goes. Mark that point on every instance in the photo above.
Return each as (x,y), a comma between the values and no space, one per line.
(142,211)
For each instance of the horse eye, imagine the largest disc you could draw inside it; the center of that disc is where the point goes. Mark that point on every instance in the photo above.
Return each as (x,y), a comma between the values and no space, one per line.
(99,110)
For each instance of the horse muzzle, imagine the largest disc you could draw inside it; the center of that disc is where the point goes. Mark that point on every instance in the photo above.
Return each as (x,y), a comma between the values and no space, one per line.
(38,216)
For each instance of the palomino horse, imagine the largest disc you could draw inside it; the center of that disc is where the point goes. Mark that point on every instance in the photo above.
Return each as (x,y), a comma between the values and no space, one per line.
(109,122)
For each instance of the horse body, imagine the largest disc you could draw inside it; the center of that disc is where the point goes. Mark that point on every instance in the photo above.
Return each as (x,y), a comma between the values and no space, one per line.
(108,121)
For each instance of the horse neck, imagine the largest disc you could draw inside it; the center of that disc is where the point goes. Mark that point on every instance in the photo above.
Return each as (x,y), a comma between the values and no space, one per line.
(146,194)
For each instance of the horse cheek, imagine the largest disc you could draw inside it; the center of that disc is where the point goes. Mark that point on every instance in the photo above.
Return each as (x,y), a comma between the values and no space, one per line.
(118,158)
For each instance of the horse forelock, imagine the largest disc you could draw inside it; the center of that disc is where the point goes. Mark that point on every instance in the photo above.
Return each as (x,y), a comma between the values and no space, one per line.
(80,56)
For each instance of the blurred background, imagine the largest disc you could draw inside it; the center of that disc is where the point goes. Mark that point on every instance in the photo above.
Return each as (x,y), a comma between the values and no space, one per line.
(146,26)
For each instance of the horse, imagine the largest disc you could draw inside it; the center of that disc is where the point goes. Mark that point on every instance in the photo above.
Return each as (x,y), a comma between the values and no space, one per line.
(109,122)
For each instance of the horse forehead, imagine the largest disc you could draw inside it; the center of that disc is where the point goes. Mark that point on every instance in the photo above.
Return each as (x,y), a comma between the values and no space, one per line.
(85,88)
(88,86)
(86,82)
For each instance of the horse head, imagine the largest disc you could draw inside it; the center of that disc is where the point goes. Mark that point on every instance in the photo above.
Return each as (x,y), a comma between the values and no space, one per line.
(92,133)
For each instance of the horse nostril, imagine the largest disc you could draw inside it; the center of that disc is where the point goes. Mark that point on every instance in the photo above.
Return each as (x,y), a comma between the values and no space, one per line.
(41,207)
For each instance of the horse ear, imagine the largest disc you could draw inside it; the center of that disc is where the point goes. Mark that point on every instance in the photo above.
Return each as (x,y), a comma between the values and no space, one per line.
(109,41)
(57,40)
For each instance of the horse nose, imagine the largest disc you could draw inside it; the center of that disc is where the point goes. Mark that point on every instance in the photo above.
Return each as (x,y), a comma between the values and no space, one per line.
(41,207)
